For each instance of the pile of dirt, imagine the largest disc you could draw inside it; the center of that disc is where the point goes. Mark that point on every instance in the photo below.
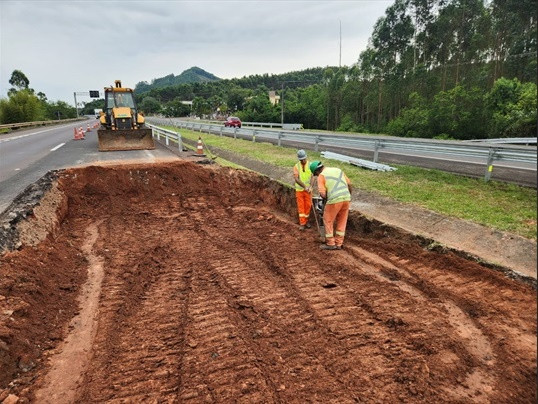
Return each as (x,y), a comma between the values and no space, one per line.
(181,282)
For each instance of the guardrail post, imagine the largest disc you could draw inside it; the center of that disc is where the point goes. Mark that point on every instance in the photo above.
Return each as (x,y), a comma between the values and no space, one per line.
(167,139)
(316,146)
(158,135)
(221,131)
(279,137)
(489,164)
(235,132)
(376,151)
(179,142)
(254,135)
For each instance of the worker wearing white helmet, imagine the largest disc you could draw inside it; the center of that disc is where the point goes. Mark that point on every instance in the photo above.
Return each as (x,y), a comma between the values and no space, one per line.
(303,188)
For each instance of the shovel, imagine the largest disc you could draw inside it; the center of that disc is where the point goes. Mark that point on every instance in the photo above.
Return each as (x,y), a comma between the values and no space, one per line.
(316,203)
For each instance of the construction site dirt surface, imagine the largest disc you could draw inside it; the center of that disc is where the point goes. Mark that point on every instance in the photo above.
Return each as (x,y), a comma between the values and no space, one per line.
(182,282)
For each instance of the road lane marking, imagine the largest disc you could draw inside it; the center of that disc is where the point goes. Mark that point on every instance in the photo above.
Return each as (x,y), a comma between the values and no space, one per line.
(32,134)
(57,147)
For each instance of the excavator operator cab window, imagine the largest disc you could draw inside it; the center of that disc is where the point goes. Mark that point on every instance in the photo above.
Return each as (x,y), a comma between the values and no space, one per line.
(123,100)
(109,101)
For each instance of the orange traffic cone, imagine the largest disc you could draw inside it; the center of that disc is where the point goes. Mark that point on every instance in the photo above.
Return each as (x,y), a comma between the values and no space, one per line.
(81,132)
(88,129)
(200,147)
(76,136)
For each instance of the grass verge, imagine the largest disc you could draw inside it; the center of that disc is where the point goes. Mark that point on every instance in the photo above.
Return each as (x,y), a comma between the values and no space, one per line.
(494,204)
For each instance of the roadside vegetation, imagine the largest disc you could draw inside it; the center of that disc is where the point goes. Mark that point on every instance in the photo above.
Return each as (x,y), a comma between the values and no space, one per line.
(25,105)
(493,204)
(446,69)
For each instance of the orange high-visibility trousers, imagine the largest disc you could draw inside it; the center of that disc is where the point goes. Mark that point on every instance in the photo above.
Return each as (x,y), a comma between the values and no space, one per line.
(335,220)
(304,204)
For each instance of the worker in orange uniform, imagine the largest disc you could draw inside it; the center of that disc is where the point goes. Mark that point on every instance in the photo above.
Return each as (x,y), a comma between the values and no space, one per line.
(335,189)
(303,188)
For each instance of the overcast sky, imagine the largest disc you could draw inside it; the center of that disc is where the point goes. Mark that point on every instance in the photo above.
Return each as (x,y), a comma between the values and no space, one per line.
(68,46)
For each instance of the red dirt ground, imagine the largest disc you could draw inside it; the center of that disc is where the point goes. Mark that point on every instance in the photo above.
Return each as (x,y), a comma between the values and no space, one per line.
(189,283)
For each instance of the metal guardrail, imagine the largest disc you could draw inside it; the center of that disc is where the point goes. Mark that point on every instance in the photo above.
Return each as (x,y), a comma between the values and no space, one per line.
(421,148)
(167,135)
(38,123)
(285,126)
(357,162)
(508,140)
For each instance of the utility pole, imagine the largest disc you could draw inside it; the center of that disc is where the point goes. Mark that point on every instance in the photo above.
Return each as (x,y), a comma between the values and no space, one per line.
(282,105)
(282,95)
(340,59)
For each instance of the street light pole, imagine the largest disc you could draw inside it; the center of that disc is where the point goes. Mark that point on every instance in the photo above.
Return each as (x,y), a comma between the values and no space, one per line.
(82,93)
(76,105)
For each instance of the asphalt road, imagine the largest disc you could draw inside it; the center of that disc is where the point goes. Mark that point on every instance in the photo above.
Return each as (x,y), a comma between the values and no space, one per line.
(25,156)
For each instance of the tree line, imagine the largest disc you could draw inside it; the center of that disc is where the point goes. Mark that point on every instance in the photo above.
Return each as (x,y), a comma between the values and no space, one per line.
(25,105)
(433,68)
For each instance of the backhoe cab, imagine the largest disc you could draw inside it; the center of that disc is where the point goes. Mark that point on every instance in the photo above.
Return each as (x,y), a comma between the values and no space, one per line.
(122,127)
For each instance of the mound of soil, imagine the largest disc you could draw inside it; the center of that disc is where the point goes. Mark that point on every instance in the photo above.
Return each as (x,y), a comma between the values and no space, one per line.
(189,283)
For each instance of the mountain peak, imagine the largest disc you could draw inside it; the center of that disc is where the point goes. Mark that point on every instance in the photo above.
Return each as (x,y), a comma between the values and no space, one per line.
(192,75)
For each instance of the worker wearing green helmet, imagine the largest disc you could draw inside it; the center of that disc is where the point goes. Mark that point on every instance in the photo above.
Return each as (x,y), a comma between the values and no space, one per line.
(335,188)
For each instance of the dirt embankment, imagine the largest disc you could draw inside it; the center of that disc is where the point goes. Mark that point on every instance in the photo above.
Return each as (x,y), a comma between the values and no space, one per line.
(185,283)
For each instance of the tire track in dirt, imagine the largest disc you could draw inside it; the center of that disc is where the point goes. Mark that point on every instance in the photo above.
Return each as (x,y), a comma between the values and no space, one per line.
(340,320)
(70,359)
(346,321)
(138,349)
(477,344)
(273,321)
(218,365)
(473,304)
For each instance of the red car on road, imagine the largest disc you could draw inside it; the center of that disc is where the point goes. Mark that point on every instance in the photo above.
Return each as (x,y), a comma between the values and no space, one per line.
(233,122)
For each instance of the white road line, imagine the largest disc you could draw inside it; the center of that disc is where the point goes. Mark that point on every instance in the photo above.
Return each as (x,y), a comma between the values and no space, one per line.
(31,134)
(57,147)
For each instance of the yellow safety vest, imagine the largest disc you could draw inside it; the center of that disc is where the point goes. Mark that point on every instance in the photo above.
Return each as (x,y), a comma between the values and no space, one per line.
(337,190)
(304,176)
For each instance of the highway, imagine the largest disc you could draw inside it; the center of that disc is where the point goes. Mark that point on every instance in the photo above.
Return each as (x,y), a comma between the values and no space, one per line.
(25,156)
(450,156)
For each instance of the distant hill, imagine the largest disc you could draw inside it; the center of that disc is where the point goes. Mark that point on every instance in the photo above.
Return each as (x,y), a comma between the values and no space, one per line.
(192,75)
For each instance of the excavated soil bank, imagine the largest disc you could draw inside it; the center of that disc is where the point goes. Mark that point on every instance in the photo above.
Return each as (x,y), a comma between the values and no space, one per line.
(189,283)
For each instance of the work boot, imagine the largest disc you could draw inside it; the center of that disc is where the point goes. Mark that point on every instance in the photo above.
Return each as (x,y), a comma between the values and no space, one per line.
(339,247)
(308,225)
(328,247)
(301,227)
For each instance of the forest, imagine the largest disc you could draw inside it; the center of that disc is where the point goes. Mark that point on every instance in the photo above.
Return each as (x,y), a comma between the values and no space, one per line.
(446,69)
(449,69)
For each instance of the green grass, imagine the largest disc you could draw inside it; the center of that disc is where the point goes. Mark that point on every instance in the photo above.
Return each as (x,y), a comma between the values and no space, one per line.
(493,204)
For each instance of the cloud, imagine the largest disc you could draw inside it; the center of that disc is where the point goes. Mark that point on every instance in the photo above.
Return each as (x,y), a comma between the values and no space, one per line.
(68,46)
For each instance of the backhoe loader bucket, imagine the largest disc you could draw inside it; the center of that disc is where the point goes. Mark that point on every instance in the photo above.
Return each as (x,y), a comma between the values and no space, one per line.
(135,139)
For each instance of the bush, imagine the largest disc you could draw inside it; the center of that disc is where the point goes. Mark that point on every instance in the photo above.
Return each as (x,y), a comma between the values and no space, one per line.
(21,106)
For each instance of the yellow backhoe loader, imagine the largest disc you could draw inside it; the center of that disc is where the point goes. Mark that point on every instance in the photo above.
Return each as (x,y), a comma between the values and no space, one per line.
(122,127)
